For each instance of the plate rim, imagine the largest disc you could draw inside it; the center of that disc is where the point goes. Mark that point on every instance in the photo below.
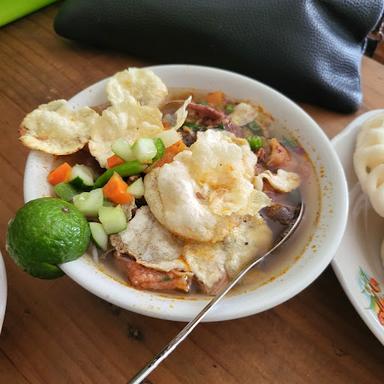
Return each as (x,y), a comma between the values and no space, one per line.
(365,315)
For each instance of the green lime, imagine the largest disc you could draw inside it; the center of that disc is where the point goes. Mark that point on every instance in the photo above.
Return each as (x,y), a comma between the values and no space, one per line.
(44,233)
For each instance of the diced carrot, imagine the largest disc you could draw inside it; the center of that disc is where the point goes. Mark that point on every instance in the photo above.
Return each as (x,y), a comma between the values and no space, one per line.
(166,125)
(168,156)
(215,98)
(114,160)
(61,174)
(116,190)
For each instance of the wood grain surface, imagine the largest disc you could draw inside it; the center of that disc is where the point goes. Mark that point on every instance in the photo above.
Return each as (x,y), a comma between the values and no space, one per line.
(56,332)
(379,52)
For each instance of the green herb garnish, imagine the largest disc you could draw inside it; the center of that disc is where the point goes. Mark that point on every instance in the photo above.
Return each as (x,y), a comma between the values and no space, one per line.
(255,142)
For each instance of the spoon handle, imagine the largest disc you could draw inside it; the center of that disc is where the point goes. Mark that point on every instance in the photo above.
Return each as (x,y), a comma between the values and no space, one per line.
(168,349)
(172,345)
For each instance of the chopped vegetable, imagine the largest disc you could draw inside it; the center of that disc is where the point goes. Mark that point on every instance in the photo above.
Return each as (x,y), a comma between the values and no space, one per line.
(65,191)
(114,160)
(113,219)
(82,177)
(127,169)
(169,137)
(89,203)
(229,108)
(169,154)
(215,98)
(108,203)
(255,127)
(99,235)
(255,142)
(123,149)
(160,147)
(116,190)
(78,184)
(137,188)
(144,150)
(60,175)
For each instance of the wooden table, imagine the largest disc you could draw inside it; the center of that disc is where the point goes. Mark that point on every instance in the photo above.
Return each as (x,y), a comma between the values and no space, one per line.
(56,332)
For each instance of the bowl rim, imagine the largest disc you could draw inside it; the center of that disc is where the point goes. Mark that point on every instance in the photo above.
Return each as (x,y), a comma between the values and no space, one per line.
(158,304)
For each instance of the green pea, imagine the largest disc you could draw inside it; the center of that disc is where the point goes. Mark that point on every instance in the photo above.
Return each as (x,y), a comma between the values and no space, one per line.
(255,142)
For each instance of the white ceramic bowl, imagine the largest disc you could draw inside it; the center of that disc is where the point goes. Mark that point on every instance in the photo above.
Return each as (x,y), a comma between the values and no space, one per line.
(322,241)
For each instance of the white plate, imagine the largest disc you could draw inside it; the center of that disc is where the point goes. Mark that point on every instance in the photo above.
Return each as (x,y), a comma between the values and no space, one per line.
(321,240)
(3,291)
(357,260)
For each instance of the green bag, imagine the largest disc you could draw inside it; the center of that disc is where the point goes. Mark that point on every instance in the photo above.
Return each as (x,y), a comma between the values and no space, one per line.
(11,10)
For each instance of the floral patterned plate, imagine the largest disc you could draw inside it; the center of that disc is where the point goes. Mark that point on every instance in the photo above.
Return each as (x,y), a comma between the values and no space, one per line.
(357,263)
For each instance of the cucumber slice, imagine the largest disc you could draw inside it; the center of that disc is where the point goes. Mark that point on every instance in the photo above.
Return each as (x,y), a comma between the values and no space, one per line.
(113,219)
(144,150)
(123,149)
(89,202)
(108,203)
(160,147)
(136,188)
(99,235)
(65,191)
(82,177)
(169,137)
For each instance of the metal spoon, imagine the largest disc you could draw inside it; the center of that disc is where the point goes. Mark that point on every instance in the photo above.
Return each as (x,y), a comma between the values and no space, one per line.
(172,345)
